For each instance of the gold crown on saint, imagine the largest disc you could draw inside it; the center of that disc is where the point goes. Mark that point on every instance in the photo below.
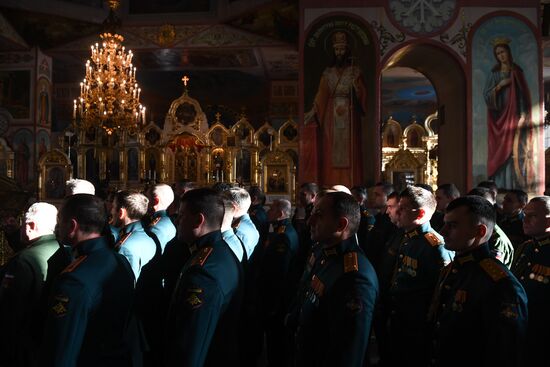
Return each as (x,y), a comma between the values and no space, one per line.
(339,39)
(500,41)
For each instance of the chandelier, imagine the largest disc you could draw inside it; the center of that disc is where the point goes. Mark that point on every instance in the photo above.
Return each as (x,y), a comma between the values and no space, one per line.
(109,94)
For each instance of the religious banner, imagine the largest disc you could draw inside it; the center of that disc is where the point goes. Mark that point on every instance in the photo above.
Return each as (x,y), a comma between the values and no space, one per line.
(505,104)
(335,97)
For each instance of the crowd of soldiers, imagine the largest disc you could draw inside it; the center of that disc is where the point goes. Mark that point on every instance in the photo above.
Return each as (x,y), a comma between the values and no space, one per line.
(186,276)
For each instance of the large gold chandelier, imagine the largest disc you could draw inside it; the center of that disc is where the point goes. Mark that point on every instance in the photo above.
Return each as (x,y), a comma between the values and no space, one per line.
(109,94)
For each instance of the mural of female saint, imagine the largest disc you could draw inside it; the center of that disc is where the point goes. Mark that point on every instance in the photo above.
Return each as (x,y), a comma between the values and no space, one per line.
(509,125)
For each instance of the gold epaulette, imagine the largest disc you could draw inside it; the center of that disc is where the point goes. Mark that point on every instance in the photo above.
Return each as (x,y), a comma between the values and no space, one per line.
(432,239)
(365,213)
(350,262)
(74,264)
(201,258)
(492,269)
(281,229)
(155,221)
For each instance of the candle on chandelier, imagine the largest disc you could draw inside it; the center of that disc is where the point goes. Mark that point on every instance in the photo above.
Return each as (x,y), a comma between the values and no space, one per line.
(74,110)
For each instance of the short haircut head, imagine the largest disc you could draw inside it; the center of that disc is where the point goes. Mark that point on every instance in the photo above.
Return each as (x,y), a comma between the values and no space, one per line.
(484,192)
(544,200)
(77,186)
(480,210)
(240,197)
(491,185)
(134,202)
(393,195)
(360,191)
(425,187)
(43,214)
(521,195)
(87,210)
(420,198)
(207,202)
(310,187)
(387,188)
(284,206)
(220,187)
(449,190)
(344,205)
(165,194)
(256,192)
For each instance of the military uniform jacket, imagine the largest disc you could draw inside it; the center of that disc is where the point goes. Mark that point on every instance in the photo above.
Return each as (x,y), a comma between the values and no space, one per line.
(501,247)
(136,246)
(259,218)
(421,257)
(532,268)
(248,234)
(379,236)
(365,226)
(280,250)
(161,228)
(480,313)
(90,318)
(202,325)
(22,301)
(335,307)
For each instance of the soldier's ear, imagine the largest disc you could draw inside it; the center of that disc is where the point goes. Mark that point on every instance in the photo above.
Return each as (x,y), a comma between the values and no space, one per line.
(421,213)
(343,223)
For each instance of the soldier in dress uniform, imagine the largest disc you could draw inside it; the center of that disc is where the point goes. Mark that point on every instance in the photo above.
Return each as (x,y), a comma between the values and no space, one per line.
(244,227)
(279,252)
(335,305)
(202,325)
(23,288)
(421,256)
(532,267)
(383,227)
(367,220)
(499,244)
(150,297)
(479,309)
(128,209)
(90,318)
(257,211)
(512,221)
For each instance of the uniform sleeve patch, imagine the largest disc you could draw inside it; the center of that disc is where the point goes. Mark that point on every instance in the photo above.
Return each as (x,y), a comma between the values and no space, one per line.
(510,311)
(354,305)
(60,305)
(432,239)
(74,264)
(350,262)
(493,269)
(194,298)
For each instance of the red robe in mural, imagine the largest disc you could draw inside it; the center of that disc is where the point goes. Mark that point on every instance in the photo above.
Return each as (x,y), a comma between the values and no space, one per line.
(339,108)
(511,138)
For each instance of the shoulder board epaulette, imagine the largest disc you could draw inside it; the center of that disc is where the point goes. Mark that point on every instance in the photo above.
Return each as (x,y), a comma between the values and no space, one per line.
(350,262)
(155,221)
(201,258)
(432,239)
(281,229)
(492,269)
(122,239)
(74,264)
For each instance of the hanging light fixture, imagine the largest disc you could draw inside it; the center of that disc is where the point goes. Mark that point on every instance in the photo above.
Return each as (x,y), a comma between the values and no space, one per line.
(109,94)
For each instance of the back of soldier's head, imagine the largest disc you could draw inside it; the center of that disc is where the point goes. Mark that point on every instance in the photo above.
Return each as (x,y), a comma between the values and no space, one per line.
(449,190)
(240,198)
(520,195)
(44,215)
(310,187)
(165,195)
(220,187)
(256,194)
(207,202)
(134,202)
(483,192)
(344,205)
(480,210)
(420,198)
(78,186)
(284,206)
(87,210)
